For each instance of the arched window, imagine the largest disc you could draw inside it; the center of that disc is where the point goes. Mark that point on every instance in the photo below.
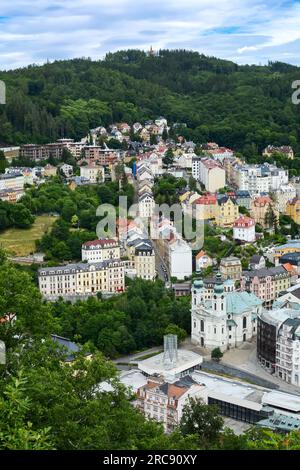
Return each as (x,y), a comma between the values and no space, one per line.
(202,325)
(245,322)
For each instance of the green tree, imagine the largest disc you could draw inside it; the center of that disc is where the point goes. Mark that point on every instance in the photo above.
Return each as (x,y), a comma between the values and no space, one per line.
(201,420)
(216,354)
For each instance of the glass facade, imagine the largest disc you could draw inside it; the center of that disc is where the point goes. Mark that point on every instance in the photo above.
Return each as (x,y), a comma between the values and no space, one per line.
(237,412)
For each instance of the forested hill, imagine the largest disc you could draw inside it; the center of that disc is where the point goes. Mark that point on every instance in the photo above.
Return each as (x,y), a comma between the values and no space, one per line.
(237,106)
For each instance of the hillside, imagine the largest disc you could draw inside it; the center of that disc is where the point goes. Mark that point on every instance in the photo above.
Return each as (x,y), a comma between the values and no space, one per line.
(246,107)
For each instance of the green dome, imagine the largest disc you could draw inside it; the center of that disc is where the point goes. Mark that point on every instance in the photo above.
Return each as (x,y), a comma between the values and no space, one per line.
(219,287)
(198,284)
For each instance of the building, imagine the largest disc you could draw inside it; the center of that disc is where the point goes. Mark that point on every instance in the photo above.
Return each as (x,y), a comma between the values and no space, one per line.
(180,259)
(81,280)
(266,283)
(243,199)
(260,207)
(67,170)
(203,261)
(12,181)
(283,195)
(93,173)
(204,207)
(284,150)
(164,402)
(144,260)
(258,178)
(146,205)
(257,262)
(231,268)
(172,363)
(291,258)
(227,211)
(278,343)
(293,209)
(209,172)
(99,155)
(224,321)
(96,251)
(244,229)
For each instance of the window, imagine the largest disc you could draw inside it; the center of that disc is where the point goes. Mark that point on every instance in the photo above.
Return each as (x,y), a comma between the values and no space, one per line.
(245,322)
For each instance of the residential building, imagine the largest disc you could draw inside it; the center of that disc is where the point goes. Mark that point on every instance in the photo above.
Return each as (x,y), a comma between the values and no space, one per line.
(244,229)
(99,155)
(93,173)
(180,259)
(203,261)
(144,260)
(278,343)
(258,178)
(260,207)
(81,279)
(13,182)
(146,204)
(210,173)
(205,207)
(293,209)
(226,320)
(283,195)
(96,251)
(291,258)
(257,262)
(231,268)
(243,198)
(284,149)
(227,211)
(266,283)
(67,170)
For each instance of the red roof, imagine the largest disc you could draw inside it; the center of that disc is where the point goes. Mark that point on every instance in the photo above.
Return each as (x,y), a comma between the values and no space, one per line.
(244,222)
(206,199)
(262,200)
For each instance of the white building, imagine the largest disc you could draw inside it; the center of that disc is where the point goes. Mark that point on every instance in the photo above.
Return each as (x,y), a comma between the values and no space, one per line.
(288,351)
(180,259)
(81,279)
(260,178)
(13,181)
(67,170)
(146,205)
(244,229)
(96,251)
(283,195)
(226,320)
(209,172)
(94,173)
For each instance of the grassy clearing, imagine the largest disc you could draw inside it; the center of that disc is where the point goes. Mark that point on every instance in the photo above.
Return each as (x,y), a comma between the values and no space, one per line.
(21,242)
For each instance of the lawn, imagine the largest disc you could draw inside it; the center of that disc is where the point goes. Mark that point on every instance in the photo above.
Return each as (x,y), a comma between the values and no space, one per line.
(21,242)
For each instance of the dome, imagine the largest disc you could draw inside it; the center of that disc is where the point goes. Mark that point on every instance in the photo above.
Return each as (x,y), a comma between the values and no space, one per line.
(198,284)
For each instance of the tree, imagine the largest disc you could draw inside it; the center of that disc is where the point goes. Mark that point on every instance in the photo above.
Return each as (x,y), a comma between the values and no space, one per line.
(201,420)
(216,354)
(3,162)
(74,220)
(16,432)
(173,329)
(271,220)
(168,157)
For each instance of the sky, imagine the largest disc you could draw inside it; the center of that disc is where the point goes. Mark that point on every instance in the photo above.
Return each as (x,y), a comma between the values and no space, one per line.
(245,31)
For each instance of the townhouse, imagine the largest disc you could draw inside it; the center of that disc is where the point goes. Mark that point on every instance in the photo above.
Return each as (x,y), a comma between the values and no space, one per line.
(244,229)
(96,251)
(227,211)
(260,207)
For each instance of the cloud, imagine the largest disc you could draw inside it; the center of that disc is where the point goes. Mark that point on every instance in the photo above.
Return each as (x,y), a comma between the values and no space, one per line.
(242,30)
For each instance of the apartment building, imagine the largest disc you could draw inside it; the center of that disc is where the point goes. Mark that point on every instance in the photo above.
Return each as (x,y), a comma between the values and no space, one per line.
(81,279)
(146,204)
(259,178)
(260,207)
(144,260)
(205,207)
(227,211)
(231,268)
(293,209)
(283,149)
(244,229)
(266,283)
(209,172)
(96,251)
(13,182)
(94,173)
(164,402)
(96,154)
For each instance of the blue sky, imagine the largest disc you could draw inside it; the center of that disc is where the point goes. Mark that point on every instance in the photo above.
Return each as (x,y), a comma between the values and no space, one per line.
(245,31)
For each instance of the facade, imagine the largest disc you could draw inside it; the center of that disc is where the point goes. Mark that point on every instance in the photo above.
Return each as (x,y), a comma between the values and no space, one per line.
(259,209)
(283,195)
(203,261)
(146,205)
(144,260)
(231,268)
(164,402)
(209,172)
(96,251)
(278,343)
(244,229)
(226,320)
(266,283)
(81,279)
(93,173)
(14,182)
(284,149)
(204,207)
(257,262)
(259,178)
(180,259)
(227,211)
(293,209)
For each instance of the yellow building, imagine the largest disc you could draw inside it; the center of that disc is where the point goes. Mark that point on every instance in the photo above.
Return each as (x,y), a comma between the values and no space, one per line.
(227,211)
(293,209)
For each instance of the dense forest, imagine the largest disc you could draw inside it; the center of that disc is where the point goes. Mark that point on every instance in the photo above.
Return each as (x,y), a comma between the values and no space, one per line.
(246,107)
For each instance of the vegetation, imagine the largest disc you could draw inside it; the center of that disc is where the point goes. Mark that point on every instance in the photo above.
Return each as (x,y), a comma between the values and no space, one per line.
(216,354)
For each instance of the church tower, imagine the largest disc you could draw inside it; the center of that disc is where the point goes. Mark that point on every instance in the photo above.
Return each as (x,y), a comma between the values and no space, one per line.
(219,300)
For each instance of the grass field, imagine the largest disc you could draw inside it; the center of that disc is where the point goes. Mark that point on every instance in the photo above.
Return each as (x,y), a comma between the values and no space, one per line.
(20,242)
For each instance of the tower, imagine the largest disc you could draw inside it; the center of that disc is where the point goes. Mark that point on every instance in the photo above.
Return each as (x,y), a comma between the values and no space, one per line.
(219,301)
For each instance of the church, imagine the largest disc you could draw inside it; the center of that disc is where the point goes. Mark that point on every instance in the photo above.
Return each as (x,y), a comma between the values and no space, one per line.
(224,318)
